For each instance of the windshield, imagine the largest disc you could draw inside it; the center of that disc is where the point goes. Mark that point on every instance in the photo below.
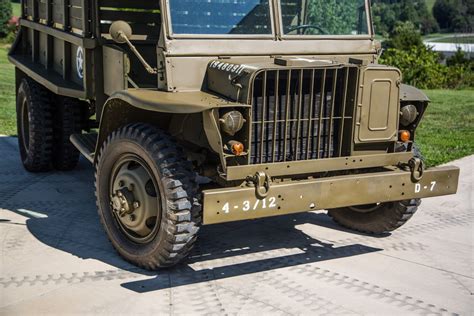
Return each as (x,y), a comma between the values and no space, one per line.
(324,17)
(220,17)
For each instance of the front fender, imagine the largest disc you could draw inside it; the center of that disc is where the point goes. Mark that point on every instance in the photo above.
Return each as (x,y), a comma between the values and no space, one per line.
(154,107)
(169,102)
(412,94)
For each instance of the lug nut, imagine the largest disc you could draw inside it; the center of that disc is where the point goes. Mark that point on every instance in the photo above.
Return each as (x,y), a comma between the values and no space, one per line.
(136,204)
(121,183)
(132,217)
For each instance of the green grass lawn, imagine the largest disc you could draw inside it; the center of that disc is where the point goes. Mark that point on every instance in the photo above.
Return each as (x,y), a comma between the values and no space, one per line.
(447,132)
(430,4)
(7,95)
(457,40)
(16,9)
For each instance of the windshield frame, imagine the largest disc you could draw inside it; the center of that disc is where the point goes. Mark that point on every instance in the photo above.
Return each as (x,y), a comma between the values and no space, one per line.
(222,36)
(369,35)
(276,27)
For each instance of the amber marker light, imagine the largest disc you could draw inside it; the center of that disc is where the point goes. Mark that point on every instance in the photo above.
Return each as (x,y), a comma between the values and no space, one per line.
(237,148)
(405,136)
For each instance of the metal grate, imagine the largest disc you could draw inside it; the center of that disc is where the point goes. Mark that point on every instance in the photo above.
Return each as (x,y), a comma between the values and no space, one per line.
(302,114)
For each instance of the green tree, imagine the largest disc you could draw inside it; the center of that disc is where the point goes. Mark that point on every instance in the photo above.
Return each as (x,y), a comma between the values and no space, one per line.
(387,13)
(455,15)
(5,16)
(335,16)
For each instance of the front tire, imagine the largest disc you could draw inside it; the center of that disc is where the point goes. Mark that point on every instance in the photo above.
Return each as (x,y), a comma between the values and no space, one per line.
(147,196)
(376,219)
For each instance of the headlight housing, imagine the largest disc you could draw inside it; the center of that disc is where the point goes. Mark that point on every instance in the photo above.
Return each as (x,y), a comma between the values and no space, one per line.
(232,122)
(408,114)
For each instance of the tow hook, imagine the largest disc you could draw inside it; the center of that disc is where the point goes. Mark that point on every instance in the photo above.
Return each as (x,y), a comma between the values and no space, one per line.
(262,181)
(417,169)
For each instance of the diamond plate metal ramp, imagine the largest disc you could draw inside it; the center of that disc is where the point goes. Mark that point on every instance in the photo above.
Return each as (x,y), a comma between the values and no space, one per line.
(55,259)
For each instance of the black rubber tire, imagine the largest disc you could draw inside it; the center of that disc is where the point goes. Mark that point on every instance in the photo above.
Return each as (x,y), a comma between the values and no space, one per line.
(67,121)
(386,218)
(178,192)
(35,140)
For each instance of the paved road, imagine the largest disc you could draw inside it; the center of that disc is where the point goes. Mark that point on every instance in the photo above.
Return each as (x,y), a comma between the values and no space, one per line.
(56,260)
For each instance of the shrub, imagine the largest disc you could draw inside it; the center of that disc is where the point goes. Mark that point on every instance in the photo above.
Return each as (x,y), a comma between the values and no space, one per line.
(404,36)
(459,59)
(458,77)
(5,15)
(421,67)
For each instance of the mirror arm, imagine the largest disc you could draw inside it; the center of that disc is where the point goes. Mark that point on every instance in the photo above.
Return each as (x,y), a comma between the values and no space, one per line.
(149,69)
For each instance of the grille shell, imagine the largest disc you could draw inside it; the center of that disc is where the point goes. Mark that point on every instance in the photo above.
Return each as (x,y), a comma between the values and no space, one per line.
(302,114)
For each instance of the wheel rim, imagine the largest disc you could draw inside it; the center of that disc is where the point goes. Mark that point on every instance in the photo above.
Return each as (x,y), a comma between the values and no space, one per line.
(366,208)
(135,199)
(25,125)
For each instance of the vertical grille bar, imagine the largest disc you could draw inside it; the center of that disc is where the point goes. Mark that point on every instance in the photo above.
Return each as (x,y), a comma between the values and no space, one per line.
(287,109)
(298,124)
(310,116)
(343,115)
(264,109)
(322,104)
(330,150)
(275,115)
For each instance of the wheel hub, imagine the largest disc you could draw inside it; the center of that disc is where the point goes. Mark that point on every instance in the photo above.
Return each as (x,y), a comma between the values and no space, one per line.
(123,202)
(134,200)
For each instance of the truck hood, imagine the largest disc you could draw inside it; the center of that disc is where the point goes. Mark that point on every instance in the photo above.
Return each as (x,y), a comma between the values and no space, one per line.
(232,78)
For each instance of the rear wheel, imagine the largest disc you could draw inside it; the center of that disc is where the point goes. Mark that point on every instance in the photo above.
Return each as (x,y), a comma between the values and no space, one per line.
(67,121)
(35,126)
(147,196)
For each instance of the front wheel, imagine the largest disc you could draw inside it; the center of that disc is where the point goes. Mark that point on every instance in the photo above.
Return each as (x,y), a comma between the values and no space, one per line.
(376,218)
(147,196)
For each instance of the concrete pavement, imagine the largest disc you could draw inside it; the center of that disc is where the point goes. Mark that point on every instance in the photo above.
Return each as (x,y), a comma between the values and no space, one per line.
(55,258)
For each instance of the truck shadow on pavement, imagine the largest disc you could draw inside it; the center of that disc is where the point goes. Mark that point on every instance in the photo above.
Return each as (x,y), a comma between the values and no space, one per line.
(61,213)
(223,251)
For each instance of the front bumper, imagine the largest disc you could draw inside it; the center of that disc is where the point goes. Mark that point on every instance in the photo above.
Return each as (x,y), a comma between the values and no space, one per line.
(242,203)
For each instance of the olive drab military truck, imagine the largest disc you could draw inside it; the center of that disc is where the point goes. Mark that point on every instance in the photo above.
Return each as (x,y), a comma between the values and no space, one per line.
(201,112)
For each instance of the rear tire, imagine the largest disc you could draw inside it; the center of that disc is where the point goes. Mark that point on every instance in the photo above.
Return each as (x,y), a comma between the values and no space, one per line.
(67,121)
(35,126)
(170,226)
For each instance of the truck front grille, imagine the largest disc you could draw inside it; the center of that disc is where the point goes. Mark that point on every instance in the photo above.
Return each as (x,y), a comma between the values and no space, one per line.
(302,114)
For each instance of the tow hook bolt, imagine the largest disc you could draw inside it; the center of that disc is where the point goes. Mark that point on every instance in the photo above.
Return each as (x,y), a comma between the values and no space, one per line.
(417,169)
(262,184)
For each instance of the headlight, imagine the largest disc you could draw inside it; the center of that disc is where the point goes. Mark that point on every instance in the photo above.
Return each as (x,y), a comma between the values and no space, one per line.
(408,114)
(232,122)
